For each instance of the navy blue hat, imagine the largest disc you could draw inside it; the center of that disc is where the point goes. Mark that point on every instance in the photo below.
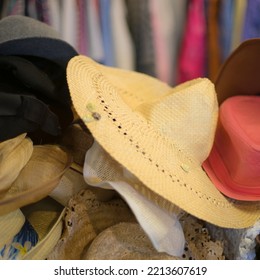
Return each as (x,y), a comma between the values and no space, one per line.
(22,35)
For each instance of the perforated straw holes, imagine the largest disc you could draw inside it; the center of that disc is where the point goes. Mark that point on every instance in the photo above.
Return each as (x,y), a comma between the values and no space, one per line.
(138,147)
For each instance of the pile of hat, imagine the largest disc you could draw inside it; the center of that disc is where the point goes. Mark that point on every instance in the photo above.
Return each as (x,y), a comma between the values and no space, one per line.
(176,148)
(34,110)
(104,163)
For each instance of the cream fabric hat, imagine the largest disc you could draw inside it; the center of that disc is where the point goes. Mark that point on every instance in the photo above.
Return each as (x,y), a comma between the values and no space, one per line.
(14,154)
(39,176)
(160,134)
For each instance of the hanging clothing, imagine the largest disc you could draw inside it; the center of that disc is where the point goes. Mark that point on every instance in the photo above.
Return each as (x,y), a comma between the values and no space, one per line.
(55,14)
(105,16)
(214,51)
(95,46)
(82,38)
(239,17)
(122,40)
(192,55)
(12,7)
(252,20)
(69,22)
(138,18)
(226,15)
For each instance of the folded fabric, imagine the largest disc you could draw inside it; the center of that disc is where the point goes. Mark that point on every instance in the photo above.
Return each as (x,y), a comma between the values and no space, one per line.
(70,184)
(163,229)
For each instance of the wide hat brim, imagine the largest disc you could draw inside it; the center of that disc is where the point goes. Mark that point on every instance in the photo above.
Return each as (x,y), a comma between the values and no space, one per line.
(37,179)
(22,35)
(218,173)
(101,95)
(239,75)
(46,217)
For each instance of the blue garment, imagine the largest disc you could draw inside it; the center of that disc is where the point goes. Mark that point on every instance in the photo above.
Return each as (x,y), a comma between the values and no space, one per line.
(252,20)
(226,16)
(109,58)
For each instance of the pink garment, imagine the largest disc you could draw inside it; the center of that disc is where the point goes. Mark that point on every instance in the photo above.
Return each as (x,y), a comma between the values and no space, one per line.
(193,48)
(162,57)
(95,41)
(82,43)
(69,22)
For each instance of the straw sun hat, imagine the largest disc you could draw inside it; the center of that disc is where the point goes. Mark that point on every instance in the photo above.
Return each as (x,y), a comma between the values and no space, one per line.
(128,241)
(162,135)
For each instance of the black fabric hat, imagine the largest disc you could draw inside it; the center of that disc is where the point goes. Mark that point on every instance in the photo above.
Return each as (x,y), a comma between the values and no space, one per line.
(33,61)
(30,100)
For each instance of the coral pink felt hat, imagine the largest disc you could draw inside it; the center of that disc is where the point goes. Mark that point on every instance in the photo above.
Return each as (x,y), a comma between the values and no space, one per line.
(234,162)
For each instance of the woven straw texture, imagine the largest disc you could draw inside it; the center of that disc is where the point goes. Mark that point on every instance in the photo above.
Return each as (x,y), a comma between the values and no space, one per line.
(128,241)
(86,217)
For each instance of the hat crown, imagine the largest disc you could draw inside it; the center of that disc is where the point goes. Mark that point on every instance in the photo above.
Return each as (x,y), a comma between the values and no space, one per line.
(238,139)
(187,116)
(19,27)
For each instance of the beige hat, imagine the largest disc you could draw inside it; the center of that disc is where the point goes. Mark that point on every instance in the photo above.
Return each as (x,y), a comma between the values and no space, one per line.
(14,154)
(124,241)
(162,135)
(128,241)
(46,218)
(86,217)
(37,179)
